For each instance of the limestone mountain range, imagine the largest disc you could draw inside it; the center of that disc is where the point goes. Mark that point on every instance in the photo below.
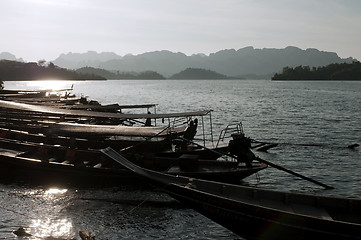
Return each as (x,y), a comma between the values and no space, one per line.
(245,62)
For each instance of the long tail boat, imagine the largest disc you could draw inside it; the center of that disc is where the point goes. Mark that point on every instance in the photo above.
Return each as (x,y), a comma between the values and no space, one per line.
(159,136)
(255,213)
(19,139)
(63,120)
(93,114)
(58,165)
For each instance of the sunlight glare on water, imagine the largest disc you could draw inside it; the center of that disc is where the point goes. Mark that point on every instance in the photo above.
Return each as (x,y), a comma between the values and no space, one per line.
(50,84)
(44,224)
(46,227)
(43,84)
(54,192)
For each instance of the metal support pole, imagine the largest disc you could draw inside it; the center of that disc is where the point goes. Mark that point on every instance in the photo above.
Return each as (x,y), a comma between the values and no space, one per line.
(204,138)
(211,125)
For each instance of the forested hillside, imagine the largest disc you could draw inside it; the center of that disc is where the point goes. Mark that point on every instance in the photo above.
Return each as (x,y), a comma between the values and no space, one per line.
(120,75)
(342,71)
(18,71)
(197,73)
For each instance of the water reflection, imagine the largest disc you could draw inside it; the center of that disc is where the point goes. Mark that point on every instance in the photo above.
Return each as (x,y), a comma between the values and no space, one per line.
(55,191)
(49,194)
(47,221)
(46,227)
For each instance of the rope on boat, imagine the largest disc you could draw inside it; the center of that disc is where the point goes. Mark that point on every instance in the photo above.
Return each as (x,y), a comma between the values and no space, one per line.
(258,177)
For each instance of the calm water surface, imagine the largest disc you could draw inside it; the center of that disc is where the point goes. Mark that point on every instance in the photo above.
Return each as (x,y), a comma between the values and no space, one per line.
(290,113)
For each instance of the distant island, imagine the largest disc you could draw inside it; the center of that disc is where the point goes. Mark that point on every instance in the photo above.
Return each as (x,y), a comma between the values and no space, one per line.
(340,71)
(198,73)
(189,73)
(19,71)
(112,75)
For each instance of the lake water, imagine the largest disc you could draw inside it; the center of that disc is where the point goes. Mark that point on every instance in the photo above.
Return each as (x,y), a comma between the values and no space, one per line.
(293,114)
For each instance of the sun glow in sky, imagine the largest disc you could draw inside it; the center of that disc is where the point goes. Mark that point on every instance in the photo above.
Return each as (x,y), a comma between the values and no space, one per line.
(43,29)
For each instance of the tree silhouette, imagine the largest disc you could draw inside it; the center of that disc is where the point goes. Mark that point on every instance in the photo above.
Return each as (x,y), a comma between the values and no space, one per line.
(18,71)
(341,71)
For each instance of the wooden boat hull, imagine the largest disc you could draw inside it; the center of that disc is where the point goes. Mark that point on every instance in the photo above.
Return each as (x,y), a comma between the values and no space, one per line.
(257,213)
(57,165)
(252,222)
(91,130)
(18,140)
(35,172)
(136,144)
(82,113)
(202,153)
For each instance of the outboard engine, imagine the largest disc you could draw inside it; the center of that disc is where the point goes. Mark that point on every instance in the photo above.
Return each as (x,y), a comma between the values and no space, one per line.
(240,146)
(191,131)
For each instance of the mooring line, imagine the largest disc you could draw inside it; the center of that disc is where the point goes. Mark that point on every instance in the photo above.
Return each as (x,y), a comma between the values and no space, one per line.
(128,213)
(351,146)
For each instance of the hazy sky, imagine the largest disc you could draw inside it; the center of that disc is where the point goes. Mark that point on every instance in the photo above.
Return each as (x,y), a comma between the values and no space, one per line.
(43,29)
